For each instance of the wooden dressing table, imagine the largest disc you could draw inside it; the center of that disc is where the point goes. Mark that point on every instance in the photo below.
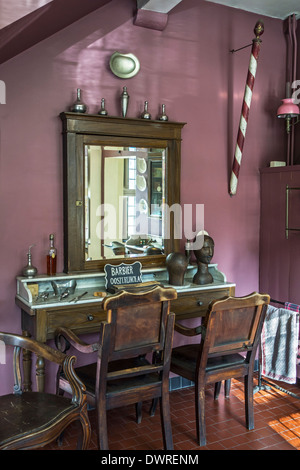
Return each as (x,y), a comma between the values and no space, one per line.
(40,318)
(98,152)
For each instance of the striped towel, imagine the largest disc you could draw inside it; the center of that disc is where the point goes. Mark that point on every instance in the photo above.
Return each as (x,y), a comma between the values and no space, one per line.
(279,344)
(295,308)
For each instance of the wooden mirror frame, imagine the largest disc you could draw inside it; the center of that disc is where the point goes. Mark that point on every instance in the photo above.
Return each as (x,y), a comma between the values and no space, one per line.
(115,131)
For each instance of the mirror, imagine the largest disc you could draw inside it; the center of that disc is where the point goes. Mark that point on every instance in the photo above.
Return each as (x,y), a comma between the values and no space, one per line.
(119,176)
(124,197)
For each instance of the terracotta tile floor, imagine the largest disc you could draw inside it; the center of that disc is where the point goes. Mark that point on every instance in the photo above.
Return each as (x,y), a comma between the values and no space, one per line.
(277,423)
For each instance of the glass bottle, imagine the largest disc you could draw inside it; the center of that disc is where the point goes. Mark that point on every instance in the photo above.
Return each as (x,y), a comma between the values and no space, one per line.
(51,257)
(188,249)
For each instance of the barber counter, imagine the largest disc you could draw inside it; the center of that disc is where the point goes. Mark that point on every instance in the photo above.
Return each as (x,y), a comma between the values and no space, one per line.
(47,303)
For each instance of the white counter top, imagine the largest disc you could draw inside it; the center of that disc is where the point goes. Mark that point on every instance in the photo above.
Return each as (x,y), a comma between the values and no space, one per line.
(95,282)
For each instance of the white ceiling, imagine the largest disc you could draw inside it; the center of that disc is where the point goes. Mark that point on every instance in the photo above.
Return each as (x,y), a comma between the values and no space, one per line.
(160,6)
(280,9)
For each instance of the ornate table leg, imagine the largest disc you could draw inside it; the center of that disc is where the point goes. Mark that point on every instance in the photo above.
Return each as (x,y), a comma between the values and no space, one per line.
(40,374)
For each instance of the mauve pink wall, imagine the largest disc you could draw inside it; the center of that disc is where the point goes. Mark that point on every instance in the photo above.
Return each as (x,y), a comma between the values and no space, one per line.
(189,67)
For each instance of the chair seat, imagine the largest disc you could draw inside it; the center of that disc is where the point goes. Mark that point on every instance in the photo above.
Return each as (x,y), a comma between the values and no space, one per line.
(185,357)
(30,412)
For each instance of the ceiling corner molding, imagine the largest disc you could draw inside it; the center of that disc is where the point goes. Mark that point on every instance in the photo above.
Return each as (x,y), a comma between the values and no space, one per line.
(153,14)
(151,19)
(28,30)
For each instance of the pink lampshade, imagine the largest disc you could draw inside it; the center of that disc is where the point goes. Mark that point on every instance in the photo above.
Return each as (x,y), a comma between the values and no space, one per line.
(288,109)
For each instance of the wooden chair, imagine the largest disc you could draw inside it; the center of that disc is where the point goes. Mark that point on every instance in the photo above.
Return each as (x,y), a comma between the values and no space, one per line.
(231,326)
(29,420)
(137,324)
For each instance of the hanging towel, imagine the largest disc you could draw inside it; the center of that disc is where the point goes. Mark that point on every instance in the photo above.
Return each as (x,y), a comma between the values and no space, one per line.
(279,344)
(295,308)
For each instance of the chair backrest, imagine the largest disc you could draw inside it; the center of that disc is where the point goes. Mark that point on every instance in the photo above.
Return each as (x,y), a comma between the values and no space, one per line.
(233,325)
(137,324)
(138,321)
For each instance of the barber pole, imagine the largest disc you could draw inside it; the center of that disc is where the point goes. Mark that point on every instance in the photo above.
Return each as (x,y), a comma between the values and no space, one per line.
(258,31)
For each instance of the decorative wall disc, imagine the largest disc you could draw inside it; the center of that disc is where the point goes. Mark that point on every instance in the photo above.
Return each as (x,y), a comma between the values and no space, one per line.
(124,65)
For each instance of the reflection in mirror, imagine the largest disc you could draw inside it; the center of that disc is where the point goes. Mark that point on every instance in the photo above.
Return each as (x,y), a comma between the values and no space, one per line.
(124,196)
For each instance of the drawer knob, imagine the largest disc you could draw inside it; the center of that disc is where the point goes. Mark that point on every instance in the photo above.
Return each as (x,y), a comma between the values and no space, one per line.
(90,317)
(199,302)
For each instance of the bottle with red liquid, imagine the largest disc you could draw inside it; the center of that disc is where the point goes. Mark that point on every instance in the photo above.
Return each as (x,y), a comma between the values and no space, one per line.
(51,257)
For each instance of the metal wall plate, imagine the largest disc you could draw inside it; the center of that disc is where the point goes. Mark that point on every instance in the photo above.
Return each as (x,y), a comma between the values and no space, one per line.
(124,65)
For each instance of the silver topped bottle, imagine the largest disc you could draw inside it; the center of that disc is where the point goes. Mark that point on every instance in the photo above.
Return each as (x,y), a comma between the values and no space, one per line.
(78,106)
(163,116)
(145,114)
(102,110)
(29,270)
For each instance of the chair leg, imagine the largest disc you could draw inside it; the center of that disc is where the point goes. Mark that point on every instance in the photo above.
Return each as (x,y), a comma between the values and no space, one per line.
(200,415)
(217,390)
(153,406)
(249,411)
(84,439)
(166,421)
(138,408)
(227,387)
(102,427)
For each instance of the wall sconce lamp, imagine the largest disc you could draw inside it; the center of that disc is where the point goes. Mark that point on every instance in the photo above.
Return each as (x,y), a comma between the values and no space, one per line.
(289,110)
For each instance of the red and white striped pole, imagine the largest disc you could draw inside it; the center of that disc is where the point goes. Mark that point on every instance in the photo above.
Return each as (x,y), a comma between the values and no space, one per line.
(258,31)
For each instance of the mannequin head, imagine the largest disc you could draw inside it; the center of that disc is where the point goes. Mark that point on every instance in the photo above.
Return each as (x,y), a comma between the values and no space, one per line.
(205,254)
(176,265)
(203,257)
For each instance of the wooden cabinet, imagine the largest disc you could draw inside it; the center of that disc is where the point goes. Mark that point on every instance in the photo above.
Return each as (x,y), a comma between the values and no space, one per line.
(280,233)
(194,303)
(80,320)
(42,323)
(83,319)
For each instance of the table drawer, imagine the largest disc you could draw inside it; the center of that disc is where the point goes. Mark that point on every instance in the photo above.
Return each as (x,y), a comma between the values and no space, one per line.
(194,304)
(79,319)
